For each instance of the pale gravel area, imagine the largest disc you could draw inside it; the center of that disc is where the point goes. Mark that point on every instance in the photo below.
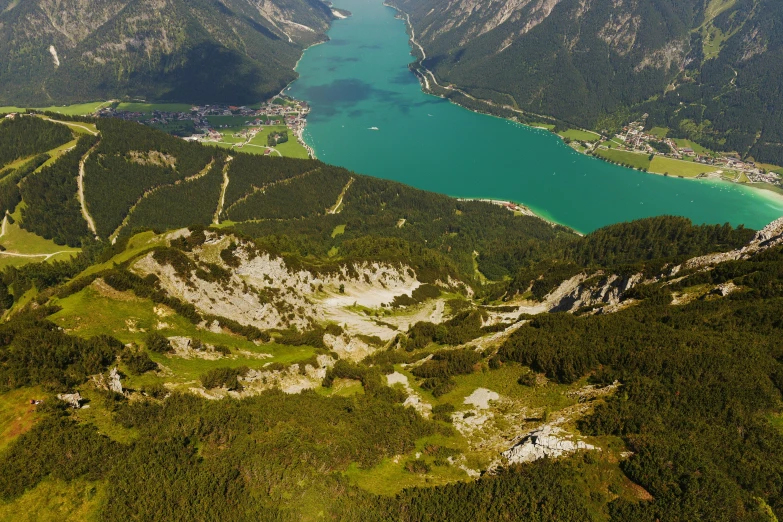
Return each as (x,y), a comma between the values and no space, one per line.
(480,398)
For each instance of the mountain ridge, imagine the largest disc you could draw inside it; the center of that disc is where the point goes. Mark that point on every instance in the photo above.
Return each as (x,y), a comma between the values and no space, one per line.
(704,69)
(237,51)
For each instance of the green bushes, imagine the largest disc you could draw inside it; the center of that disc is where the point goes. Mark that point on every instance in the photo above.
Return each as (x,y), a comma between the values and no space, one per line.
(56,447)
(313,337)
(36,352)
(447,363)
(224,378)
(158,344)
(463,327)
(138,362)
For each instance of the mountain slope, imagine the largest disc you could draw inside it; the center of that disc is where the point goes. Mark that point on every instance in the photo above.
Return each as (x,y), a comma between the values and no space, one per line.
(235,51)
(708,69)
(388,357)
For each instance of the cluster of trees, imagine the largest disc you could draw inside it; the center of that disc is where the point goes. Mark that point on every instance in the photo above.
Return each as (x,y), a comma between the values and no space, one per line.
(309,195)
(52,208)
(277,138)
(645,245)
(34,351)
(662,237)
(131,160)
(250,171)
(181,205)
(463,327)
(26,136)
(10,195)
(224,377)
(233,459)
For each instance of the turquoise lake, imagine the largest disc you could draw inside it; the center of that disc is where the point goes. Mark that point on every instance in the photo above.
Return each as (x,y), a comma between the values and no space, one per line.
(360,80)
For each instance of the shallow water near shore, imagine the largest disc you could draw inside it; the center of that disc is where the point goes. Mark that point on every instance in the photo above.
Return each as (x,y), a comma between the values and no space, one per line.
(370,115)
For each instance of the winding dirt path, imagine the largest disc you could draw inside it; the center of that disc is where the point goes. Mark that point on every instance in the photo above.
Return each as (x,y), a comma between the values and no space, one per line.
(269,185)
(80,181)
(216,218)
(153,190)
(336,208)
(45,256)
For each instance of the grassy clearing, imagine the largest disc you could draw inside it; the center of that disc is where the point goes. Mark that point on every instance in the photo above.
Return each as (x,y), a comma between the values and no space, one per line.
(290,149)
(673,167)
(504,382)
(16,240)
(99,309)
(80,109)
(580,135)
(78,127)
(342,388)
(101,417)
(547,126)
(659,132)
(338,230)
(5,169)
(17,415)
(56,501)
(638,161)
(776,420)
(136,245)
(614,143)
(698,149)
(150,107)
(770,168)
(391,476)
(259,144)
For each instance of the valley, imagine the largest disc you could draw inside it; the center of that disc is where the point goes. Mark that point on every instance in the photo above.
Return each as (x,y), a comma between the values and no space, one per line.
(360,80)
(358,301)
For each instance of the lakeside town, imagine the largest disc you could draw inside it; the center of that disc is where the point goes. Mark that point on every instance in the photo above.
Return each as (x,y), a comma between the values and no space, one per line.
(635,139)
(235,126)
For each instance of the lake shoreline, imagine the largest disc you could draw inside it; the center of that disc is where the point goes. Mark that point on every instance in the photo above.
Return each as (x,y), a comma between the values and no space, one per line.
(768,192)
(370,116)
(519,208)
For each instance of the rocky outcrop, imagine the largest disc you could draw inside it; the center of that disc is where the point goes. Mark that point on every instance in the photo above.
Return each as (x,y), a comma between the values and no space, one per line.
(768,237)
(581,291)
(607,291)
(547,441)
(74,400)
(264,291)
(114,381)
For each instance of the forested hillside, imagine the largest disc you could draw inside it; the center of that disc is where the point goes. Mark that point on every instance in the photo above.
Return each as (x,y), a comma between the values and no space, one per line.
(708,70)
(235,51)
(258,338)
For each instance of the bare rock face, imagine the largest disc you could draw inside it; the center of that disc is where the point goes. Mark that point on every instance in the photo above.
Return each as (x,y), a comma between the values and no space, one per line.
(114,381)
(572,294)
(74,400)
(546,441)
